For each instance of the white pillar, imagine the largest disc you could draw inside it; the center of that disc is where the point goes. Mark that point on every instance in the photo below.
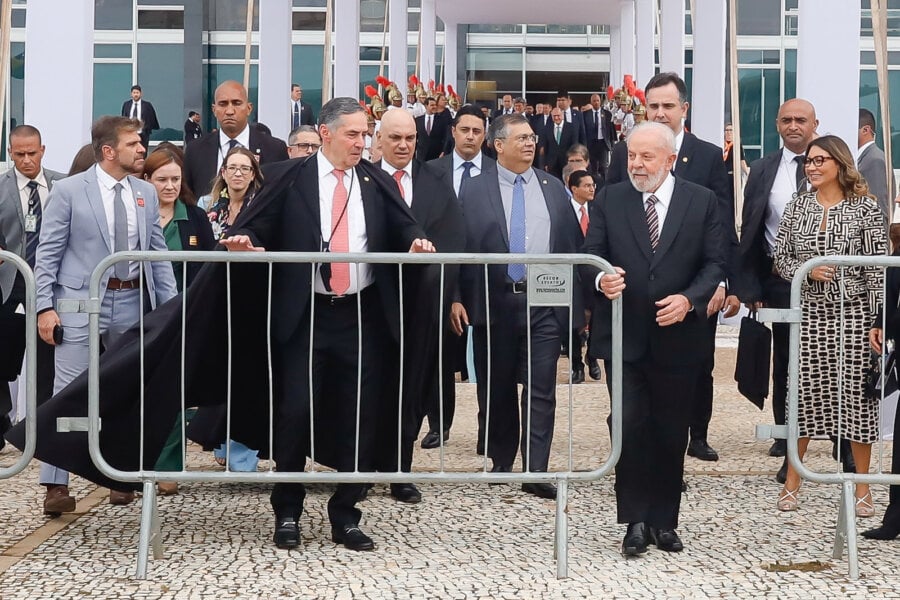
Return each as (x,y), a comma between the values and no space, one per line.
(398,47)
(451,56)
(708,94)
(627,41)
(671,36)
(427,25)
(645,26)
(346,49)
(52,67)
(615,55)
(273,107)
(828,47)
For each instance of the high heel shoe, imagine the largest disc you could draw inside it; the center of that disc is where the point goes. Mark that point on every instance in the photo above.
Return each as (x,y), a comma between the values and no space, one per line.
(864,506)
(788,500)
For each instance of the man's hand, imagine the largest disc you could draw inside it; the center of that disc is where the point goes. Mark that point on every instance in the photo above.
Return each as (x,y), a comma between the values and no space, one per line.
(459,318)
(732,306)
(421,246)
(876,339)
(46,322)
(716,302)
(672,309)
(612,286)
(755,305)
(240,243)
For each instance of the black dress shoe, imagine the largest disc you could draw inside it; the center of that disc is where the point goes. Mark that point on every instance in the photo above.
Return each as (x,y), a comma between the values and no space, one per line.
(287,532)
(781,475)
(406,492)
(885,532)
(666,540)
(578,376)
(432,439)
(779,448)
(352,537)
(700,449)
(364,491)
(636,539)
(541,490)
(848,465)
(594,369)
(497,468)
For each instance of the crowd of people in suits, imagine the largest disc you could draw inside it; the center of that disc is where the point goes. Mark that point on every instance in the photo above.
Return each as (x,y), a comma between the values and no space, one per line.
(649,197)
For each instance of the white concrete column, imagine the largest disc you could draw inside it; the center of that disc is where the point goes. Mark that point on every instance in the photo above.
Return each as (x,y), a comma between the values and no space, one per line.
(645,27)
(451,57)
(398,46)
(708,94)
(346,49)
(828,47)
(273,108)
(671,36)
(615,55)
(59,42)
(627,42)
(427,24)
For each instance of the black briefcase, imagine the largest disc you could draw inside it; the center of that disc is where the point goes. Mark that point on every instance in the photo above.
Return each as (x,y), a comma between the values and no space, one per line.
(12,346)
(754,357)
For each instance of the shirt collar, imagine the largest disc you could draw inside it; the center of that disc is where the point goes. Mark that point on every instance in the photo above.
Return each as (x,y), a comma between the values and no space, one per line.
(864,146)
(22,181)
(664,192)
(243,139)
(108,181)
(391,169)
(180,211)
(788,156)
(510,177)
(459,160)
(679,139)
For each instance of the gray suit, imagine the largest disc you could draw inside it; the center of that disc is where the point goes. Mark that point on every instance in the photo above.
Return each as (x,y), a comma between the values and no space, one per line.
(871,165)
(74,239)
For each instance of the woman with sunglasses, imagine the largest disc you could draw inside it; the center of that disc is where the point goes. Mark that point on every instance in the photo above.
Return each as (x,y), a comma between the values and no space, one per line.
(839,305)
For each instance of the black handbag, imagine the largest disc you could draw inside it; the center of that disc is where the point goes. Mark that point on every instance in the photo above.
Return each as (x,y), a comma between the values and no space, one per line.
(879,366)
(754,357)
(12,347)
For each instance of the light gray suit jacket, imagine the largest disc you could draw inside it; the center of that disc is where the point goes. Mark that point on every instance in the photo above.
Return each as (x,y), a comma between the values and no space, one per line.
(75,238)
(12,224)
(871,165)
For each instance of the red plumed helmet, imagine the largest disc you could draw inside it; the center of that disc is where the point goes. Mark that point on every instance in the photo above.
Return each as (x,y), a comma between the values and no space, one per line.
(609,92)
(639,94)
(450,89)
(382,81)
(629,80)
(371,91)
(413,80)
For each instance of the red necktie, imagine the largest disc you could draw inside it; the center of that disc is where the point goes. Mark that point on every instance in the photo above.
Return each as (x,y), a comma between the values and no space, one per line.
(584,220)
(340,239)
(398,176)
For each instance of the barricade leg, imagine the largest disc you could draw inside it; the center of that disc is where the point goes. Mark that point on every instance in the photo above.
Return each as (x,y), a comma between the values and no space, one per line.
(561,539)
(150,530)
(846,529)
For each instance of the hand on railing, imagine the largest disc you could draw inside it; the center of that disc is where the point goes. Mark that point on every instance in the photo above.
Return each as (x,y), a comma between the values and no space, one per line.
(613,285)
(420,246)
(240,243)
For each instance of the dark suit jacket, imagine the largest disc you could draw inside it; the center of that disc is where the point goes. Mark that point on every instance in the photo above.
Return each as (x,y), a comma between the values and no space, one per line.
(687,261)
(553,154)
(429,147)
(487,232)
(538,123)
(192,131)
(443,167)
(198,230)
(578,123)
(609,130)
(148,115)
(698,162)
(201,157)
(306,116)
(871,165)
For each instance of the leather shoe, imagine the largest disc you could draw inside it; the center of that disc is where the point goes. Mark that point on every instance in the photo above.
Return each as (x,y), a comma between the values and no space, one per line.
(541,490)
(58,501)
(636,539)
(781,475)
(578,376)
(666,540)
(287,532)
(364,491)
(118,498)
(406,492)
(700,449)
(885,532)
(432,439)
(352,537)
(594,369)
(779,448)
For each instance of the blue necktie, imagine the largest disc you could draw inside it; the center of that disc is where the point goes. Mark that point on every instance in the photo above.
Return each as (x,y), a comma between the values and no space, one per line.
(516,272)
(32,237)
(467,169)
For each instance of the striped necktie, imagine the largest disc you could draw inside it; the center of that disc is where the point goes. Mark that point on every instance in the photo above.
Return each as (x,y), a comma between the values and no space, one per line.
(653,222)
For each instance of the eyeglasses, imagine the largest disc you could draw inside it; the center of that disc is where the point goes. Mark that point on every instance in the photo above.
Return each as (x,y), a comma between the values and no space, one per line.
(524,138)
(306,147)
(817,160)
(244,169)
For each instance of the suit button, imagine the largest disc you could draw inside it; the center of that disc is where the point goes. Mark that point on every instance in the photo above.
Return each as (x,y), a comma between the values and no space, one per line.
(652,276)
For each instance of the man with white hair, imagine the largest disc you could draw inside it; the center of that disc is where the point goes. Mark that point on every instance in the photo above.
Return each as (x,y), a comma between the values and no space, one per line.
(662,235)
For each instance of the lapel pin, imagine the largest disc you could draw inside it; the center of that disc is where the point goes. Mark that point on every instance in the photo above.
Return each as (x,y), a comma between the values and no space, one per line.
(192,240)
(544,181)
(140,201)
(365,178)
(684,159)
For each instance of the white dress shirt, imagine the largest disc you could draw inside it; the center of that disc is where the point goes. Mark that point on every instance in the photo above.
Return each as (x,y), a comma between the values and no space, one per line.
(783,189)
(25,191)
(108,196)
(405,179)
(243,139)
(459,169)
(356,220)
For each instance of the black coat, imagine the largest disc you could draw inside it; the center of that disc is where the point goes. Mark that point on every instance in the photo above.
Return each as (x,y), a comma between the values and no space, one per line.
(192,131)
(201,157)
(196,234)
(609,130)
(148,115)
(429,147)
(553,153)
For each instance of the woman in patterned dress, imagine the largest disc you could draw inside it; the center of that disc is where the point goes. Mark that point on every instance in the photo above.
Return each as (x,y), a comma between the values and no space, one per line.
(237,183)
(839,306)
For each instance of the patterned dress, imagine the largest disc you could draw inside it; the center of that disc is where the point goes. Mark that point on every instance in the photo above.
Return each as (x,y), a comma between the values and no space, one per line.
(837,314)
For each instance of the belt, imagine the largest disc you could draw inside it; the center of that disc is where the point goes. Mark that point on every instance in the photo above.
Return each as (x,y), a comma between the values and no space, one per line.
(332,300)
(519,287)
(118,284)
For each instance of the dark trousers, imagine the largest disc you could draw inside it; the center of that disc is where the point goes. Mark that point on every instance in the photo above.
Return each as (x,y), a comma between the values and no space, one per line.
(335,360)
(499,392)
(599,155)
(655,402)
(575,345)
(777,294)
(892,514)
(454,358)
(701,410)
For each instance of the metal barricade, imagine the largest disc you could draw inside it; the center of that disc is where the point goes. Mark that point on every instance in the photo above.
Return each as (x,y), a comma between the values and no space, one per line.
(845,531)
(30,374)
(545,272)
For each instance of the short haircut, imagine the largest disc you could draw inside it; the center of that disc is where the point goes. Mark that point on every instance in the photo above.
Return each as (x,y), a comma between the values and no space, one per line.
(106,130)
(500,126)
(24,131)
(192,113)
(338,107)
(664,79)
(519,99)
(666,135)
(292,138)
(579,150)
(472,111)
(866,118)
(430,99)
(576,177)
(136,87)
(567,174)
(562,94)
(295,85)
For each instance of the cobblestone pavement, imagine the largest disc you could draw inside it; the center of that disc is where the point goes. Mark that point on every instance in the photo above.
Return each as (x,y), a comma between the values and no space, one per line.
(462,541)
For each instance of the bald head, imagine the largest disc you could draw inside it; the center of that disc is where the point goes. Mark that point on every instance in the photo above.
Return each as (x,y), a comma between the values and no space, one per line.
(231,107)
(796,124)
(397,138)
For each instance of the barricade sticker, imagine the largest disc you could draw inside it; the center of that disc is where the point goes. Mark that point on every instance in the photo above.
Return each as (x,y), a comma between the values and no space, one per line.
(550,285)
